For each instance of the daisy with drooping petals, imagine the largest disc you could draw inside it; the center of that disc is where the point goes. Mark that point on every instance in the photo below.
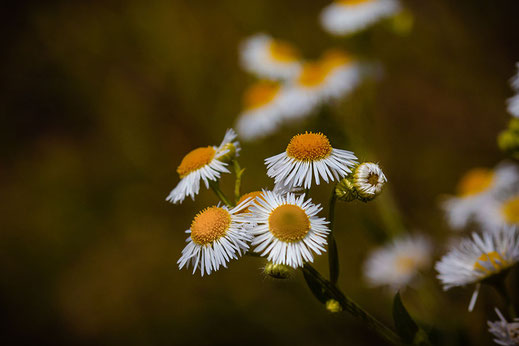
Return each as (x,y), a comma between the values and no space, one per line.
(262,112)
(369,180)
(309,156)
(333,76)
(499,213)
(398,263)
(348,16)
(216,236)
(476,190)
(287,229)
(269,58)
(506,333)
(482,257)
(205,164)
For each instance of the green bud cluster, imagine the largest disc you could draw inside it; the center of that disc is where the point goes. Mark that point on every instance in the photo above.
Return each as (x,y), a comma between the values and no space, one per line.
(508,140)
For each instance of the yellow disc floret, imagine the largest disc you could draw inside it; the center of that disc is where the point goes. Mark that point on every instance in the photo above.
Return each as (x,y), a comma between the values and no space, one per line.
(510,210)
(352,2)
(209,225)
(334,58)
(494,258)
(260,94)
(289,223)
(309,147)
(283,51)
(475,181)
(196,159)
(405,264)
(254,195)
(312,74)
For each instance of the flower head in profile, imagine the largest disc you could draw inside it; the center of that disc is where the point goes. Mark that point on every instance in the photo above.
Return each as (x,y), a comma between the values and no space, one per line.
(478,188)
(479,258)
(205,163)
(215,237)
(333,76)
(262,113)
(269,58)
(286,229)
(344,17)
(369,180)
(398,263)
(309,156)
(505,333)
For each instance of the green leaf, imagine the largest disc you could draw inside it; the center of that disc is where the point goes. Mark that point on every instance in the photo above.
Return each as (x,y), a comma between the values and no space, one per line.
(406,328)
(316,288)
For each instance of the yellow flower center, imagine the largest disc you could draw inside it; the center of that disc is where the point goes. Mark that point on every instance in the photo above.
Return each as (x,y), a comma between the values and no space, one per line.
(510,211)
(289,223)
(352,2)
(334,58)
(209,225)
(260,94)
(405,264)
(494,258)
(254,195)
(309,147)
(312,74)
(196,159)
(373,179)
(475,181)
(283,51)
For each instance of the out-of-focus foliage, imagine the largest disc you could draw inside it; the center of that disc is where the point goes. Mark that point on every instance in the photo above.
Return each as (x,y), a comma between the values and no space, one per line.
(99,102)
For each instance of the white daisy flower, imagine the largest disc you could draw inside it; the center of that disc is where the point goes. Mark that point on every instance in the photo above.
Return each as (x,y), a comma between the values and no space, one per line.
(309,156)
(474,260)
(269,58)
(205,164)
(398,263)
(216,236)
(500,213)
(348,16)
(506,333)
(478,188)
(333,76)
(513,105)
(369,180)
(287,229)
(262,114)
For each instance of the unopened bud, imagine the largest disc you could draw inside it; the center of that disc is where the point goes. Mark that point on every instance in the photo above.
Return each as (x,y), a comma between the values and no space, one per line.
(277,271)
(345,190)
(368,180)
(231,153)
(333,306)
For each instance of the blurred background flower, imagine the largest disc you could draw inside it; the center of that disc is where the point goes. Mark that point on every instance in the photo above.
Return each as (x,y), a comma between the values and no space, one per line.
(101,100)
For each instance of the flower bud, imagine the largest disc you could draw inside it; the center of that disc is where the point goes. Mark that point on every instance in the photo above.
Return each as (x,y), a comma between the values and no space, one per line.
(277,271)
(345,191)
(368,180)
(230,155)
(333,306)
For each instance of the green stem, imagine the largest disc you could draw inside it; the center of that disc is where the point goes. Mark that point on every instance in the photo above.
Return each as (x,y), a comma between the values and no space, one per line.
(237,184)
(333,256)
(347,304)
(216,188)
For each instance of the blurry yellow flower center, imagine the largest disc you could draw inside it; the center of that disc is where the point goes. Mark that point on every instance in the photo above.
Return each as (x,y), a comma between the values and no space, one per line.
(283,51)
(475,181)
(309,147)
(334,58)
(494,258)
(289,223)
(312,74)
(260,94)
(405,264)
(254,195)
(209,225)
(510,211)
(352,2)
(196,159)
